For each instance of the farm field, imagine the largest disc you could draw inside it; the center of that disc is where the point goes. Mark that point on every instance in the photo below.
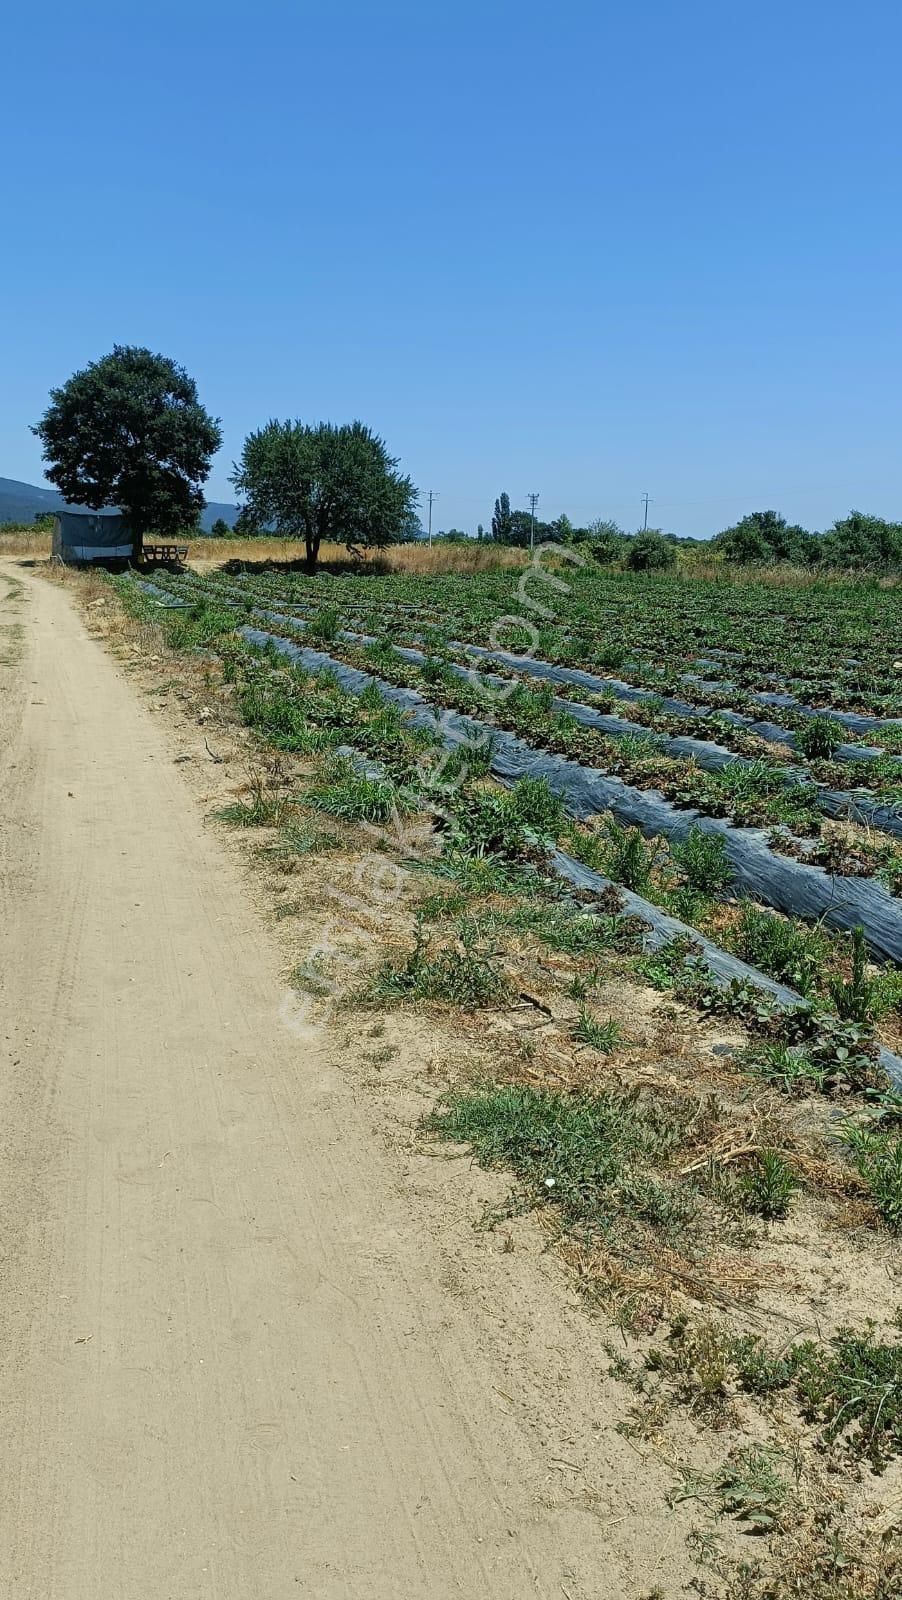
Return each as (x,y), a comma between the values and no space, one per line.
(804,813)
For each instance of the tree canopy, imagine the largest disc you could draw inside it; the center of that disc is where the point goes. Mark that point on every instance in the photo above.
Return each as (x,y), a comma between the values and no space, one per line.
(501,520)
(129,431)
(764,536)
(860,540)
(319,481)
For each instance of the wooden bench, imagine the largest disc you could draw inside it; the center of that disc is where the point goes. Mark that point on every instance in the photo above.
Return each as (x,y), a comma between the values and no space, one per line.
(165,555)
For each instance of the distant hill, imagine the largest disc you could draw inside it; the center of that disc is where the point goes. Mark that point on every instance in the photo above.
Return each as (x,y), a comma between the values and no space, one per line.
(22,502)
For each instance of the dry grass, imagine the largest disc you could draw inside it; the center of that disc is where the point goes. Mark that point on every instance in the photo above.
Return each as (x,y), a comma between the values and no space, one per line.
(24,542)
(708,569)
(206,553)
(422,559)
(433,561)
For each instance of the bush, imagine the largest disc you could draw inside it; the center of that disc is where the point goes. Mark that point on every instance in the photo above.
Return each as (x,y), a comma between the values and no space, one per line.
(650,552)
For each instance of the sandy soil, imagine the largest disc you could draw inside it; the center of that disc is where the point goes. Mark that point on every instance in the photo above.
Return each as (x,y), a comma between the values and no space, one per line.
(234,1358)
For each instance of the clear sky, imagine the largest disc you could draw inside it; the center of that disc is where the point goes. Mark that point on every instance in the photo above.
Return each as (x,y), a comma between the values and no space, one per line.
(585,249)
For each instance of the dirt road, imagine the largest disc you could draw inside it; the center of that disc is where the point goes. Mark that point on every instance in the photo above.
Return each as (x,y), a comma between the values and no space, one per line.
(228,1364)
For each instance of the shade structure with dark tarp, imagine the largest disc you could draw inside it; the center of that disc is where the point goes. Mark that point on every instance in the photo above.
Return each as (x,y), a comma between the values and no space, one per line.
(98,536)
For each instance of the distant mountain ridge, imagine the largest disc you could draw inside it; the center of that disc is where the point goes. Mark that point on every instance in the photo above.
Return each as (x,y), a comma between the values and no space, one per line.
(22,502)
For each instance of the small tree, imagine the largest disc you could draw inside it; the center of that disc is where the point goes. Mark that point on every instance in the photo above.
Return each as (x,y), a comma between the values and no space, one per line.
(220,529)
(321,481)
(650,551)
(129,431)
(501,520)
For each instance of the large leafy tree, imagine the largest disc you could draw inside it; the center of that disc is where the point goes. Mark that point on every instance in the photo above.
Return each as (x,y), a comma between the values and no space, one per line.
(129,431)
(320,481)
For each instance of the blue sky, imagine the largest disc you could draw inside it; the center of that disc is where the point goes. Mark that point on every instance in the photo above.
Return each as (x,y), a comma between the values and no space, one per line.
(583,249)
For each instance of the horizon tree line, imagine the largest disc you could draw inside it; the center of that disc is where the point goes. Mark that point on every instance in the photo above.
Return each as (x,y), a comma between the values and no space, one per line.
(129,430)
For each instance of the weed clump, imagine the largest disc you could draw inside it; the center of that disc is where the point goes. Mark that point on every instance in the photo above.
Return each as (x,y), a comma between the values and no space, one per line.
(702,857)
(769,1187)
(462,974)
(354,797)
(602,1036)
(524,821)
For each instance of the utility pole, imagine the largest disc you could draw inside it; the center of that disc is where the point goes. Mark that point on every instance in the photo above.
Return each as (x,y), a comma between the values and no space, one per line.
(645,523)
(533,502)
(432,496)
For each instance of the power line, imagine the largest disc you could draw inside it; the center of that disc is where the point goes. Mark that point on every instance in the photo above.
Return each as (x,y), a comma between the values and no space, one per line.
(533,502)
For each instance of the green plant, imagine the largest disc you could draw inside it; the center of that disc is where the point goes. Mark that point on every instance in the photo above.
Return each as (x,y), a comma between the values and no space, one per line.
(628,859)
(602,1036)
(878,1156)
(702,857)
(748,1486)
(324,624)
(819,738)
(302,839)
(538,807)
(349,794)
(785,950)
(785,1067)
(435,907)
(769,1187)
(886,993)
(843,1052)
(762,1371)
(264,809)
(512,823)
(854,999)
(581,984)
(461,974)
(854,1388)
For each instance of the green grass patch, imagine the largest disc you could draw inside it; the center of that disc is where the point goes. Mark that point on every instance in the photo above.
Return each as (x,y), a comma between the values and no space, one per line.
(591,1155)
(351,795)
